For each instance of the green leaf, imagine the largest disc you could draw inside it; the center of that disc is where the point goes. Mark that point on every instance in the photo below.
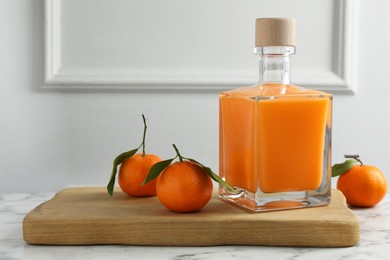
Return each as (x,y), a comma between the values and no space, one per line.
(156,169)
(117,161)
(341,168)
(212,174)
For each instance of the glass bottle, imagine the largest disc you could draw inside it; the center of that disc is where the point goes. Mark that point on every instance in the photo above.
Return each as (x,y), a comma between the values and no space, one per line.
(275,138)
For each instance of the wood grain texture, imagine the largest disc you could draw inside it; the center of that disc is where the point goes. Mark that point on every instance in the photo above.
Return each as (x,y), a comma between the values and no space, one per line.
(88,216)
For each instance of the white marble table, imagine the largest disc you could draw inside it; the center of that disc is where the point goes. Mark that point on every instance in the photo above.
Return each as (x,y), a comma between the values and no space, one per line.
(374,240)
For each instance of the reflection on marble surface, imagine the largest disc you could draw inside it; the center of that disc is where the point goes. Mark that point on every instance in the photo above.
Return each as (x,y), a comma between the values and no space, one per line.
(374,240)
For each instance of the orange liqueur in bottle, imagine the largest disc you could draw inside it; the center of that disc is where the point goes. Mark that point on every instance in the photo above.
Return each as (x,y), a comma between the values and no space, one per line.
(275,137)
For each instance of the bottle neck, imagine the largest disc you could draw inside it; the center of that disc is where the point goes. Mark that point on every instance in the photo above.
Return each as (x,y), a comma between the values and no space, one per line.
(274,64)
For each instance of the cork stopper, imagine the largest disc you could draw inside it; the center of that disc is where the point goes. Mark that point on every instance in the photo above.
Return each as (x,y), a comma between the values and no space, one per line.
(275,32)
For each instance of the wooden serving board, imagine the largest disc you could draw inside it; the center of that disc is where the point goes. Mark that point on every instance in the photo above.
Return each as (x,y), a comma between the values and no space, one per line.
(89,216)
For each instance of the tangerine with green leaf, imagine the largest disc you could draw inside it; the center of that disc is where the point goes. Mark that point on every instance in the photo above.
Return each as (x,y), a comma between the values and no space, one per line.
(362,185)
(183,186)
(134,168)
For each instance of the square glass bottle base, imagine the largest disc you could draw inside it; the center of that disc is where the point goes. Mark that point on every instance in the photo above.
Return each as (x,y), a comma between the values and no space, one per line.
(263,202)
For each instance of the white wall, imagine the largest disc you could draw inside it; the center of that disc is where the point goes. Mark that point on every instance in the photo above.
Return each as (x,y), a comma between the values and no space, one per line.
(54,138)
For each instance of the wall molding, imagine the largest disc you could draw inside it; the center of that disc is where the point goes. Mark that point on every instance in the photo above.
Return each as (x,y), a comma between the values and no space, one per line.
(341,80)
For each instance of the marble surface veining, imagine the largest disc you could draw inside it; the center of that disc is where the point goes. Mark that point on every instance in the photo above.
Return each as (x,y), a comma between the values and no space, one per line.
(374,240)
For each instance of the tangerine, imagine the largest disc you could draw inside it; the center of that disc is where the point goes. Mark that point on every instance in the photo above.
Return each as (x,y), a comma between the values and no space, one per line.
(184,187)
(363,185)
(133,172)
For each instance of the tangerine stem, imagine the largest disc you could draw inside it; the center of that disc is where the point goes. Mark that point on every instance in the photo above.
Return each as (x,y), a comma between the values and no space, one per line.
(353,156)
(143,138)
(178,153)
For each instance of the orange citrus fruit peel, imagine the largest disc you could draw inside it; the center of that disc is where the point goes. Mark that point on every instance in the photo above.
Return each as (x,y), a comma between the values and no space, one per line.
(184,187)
(362,185)
(133,170)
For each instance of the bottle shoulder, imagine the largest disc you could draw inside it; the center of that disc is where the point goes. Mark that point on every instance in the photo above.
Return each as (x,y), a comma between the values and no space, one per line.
(273,90)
